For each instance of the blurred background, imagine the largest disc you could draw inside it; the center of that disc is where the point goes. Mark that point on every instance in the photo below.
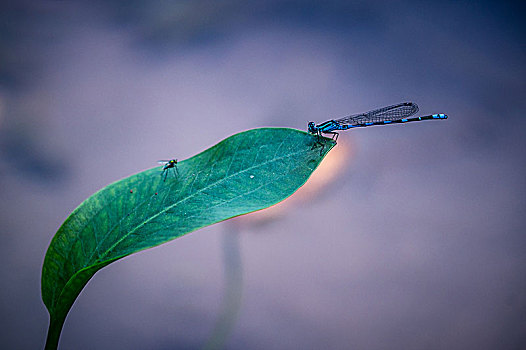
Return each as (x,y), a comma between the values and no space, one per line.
(415,240)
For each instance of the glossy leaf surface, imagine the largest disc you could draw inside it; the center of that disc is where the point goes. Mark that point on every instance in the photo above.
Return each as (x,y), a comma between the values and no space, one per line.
(246,172)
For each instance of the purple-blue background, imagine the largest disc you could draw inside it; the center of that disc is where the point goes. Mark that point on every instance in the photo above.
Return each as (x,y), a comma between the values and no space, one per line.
(420,244)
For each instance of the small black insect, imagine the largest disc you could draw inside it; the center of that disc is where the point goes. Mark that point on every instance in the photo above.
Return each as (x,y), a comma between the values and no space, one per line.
(167,164)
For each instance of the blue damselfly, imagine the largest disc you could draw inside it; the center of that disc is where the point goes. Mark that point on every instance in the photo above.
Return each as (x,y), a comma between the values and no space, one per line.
(398,113)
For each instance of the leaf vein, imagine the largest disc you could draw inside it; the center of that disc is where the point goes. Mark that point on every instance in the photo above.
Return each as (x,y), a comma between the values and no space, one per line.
(193,195)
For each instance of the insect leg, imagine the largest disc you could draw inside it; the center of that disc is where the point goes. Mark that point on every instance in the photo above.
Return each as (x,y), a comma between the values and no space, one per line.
(319,142)
(333,135)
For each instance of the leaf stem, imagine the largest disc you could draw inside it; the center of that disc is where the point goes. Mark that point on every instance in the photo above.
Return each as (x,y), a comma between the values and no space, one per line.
(228,316)
(53,333)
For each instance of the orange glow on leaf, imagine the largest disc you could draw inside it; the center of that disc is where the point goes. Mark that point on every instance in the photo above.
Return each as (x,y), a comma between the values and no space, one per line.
(329,169)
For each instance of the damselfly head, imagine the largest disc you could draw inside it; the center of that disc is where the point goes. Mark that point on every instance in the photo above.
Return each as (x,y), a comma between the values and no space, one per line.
(312,128)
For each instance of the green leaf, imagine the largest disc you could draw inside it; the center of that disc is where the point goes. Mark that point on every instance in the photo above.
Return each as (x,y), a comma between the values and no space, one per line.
(246,172)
